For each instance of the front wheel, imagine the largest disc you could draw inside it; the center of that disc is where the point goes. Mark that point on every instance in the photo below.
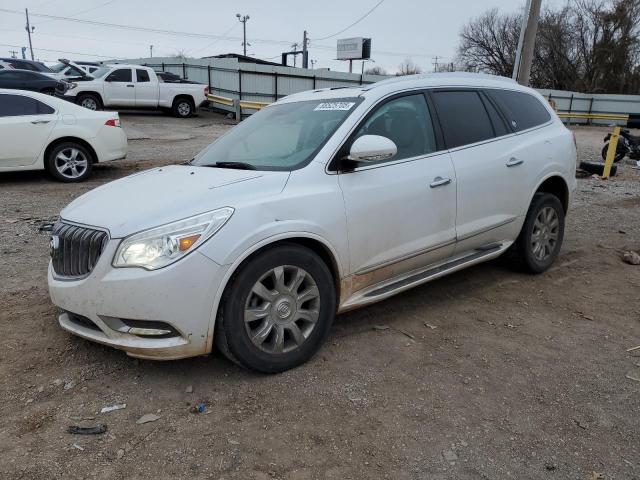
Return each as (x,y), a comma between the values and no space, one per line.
(89,101)
(540,239)
(277,310)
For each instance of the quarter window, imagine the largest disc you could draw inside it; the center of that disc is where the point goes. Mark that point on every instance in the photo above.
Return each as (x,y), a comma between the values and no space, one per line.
(521,109)
(142,75)
(405,121)
(120,75)
(463,117)
(17,105)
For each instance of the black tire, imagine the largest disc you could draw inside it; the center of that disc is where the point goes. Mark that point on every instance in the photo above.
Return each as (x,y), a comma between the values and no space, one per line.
(183,107)
(232,336)
(597,168)
(522,251)
(621,151)
(66,149)
(89,100)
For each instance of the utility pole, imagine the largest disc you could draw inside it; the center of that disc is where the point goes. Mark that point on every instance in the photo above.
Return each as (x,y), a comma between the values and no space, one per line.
(305,51)
(29,30)
(14,53)
(151,51)
(243,19)
(435,63)
(526,43)
(294,49)
(313,64)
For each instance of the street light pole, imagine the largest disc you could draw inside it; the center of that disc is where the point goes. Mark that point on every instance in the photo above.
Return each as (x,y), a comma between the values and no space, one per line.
(151,51)
(29,29)
(243,19)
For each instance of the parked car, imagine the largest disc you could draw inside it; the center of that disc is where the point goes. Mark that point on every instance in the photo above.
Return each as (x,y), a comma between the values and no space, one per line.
(39,131)
(320,203)
(73,70)
(5,65)
(132,87)
(28,80)
(23,64)
(169,77)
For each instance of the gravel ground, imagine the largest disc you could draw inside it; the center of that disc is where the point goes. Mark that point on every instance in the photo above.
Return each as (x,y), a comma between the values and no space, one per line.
(487,373)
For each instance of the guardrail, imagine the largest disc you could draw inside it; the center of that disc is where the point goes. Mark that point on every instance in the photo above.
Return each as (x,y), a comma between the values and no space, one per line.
(623,117)
(238,105)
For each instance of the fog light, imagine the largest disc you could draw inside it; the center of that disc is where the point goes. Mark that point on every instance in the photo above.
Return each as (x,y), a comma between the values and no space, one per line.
(151,332)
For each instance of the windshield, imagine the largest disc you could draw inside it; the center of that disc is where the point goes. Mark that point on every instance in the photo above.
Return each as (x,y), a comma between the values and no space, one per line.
(58,67)
(279,137)
(100,72)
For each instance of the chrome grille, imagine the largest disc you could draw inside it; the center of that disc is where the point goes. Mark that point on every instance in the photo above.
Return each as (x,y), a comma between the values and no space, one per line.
(75,250)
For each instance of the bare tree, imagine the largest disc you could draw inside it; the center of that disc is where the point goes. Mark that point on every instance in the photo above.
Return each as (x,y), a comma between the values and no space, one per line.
(376,70)
(408,68)
(587,45)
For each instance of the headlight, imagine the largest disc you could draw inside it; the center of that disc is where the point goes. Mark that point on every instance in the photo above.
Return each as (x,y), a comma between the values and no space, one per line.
(161,246)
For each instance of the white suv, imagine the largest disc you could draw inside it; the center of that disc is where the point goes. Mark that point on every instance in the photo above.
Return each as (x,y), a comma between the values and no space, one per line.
(324,201)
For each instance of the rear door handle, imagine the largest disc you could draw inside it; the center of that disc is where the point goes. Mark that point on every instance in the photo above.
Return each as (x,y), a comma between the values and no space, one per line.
(439,182)
(38,122)
(514,162)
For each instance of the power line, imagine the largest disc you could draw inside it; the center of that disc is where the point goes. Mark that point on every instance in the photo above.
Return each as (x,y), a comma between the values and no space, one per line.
(92,8)
(354,23)
(60,51)
(145,29)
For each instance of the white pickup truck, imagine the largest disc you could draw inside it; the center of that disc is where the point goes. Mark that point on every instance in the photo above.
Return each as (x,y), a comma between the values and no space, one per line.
(132,87)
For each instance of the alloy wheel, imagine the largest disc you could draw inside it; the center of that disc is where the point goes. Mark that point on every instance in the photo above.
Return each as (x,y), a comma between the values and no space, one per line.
(544,236)
(184,109)
(282,309)
(89,103)
(71,163)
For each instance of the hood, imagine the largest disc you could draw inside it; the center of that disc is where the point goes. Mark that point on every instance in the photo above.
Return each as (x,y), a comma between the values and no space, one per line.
(162,195)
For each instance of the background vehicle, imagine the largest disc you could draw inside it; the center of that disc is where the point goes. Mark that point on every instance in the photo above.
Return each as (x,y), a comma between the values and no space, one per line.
(43,132)
(73,69)
(4,65)
(169,77)
(320,203)
(133,87)
(28,80)
(26,64)
(627,145)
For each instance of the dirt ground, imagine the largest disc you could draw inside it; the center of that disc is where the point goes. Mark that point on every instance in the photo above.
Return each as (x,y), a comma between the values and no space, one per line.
(485,374)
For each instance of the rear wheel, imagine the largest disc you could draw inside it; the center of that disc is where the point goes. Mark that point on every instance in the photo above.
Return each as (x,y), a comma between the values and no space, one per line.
(90,101)
(540,239)
(277,310)
(182,107)
(69,162)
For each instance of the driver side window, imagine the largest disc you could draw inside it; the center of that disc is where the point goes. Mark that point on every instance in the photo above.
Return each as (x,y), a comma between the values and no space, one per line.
(406,122)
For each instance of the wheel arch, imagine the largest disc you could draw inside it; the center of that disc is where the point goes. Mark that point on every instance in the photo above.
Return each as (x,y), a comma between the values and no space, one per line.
(555,184)
(313,242)
(185,96)
(58,141)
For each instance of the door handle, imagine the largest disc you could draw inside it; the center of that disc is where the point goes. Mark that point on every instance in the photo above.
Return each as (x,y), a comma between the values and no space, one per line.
(439,181)
(514,162)
(38,122)
(130,86)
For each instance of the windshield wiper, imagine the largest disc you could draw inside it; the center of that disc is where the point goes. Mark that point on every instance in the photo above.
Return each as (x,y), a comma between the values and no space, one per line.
(236,165)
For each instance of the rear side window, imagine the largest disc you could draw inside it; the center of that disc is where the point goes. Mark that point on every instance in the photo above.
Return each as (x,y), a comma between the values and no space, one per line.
(463,117)
(406,121)
(521,109)
(142,75)
(17,105)
(120,75)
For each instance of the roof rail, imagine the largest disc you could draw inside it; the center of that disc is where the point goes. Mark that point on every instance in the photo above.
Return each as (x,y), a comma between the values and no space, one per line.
(452,75)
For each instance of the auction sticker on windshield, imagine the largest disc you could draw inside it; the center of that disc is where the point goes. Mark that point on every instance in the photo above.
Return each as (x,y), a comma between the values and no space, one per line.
(335,106)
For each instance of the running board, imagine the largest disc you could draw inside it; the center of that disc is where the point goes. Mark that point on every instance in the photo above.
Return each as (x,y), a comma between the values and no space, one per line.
(392,287)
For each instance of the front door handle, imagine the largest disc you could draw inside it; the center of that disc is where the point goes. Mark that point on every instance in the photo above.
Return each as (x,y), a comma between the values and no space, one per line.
(514,162)
(38,122)
(439,182)
(130,86)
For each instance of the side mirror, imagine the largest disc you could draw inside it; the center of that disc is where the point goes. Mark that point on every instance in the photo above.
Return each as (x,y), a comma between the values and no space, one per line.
(372,148)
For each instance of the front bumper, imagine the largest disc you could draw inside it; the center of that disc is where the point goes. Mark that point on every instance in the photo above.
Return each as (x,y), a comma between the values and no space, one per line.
(180,295)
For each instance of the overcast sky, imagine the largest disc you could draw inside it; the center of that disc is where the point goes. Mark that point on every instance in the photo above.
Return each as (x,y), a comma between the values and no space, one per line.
(399,29)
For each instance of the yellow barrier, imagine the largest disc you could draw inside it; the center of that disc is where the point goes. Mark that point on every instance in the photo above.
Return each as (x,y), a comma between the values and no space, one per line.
(252,105)
(611,152)
(218,99)
(624,117)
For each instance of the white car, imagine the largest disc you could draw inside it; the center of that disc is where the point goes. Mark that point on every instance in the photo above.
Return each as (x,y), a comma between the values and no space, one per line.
(133,87)
(65,70)
(322,202)
(38,131)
